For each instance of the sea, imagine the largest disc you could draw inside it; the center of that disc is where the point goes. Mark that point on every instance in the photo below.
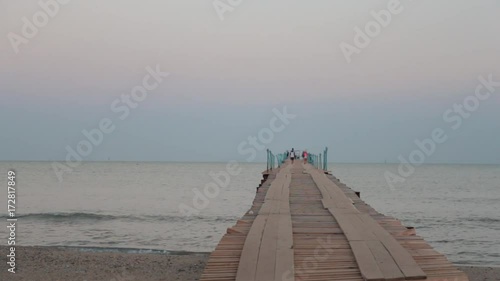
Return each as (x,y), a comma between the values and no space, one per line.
(155,207)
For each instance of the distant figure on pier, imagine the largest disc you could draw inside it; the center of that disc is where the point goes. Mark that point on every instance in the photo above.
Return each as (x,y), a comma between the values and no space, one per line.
(292,155)
(304,155)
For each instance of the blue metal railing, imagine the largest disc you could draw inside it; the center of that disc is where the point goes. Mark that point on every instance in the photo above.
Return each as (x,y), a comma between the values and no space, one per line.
(270,160)
(319,161)
(275,160)
(325,159)
(281,158)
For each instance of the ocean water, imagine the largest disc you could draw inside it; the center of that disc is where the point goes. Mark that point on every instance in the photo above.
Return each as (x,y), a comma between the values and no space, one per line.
(128,205)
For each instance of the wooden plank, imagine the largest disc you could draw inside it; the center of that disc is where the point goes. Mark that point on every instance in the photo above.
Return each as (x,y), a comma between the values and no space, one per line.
(347,225)
(285,195)
(285,255)
(385,262)
(285,251)
(366,262)
(250,254)
(331,190)
(271,254)
(339,211)
(404,260)
(266,264)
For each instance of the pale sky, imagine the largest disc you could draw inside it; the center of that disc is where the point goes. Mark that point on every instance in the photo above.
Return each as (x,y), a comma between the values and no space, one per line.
(226,76)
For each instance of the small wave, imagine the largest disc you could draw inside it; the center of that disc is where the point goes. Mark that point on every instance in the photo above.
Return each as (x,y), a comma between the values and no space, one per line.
(128,250)
(484,220)
(64,216)
(81,216)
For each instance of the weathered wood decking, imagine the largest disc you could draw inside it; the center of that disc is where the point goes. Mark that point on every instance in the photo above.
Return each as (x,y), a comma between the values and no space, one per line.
(305,225)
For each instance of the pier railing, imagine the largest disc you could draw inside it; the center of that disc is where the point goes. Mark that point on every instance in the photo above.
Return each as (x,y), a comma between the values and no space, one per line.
(281,158)
(319,161)
(270,160)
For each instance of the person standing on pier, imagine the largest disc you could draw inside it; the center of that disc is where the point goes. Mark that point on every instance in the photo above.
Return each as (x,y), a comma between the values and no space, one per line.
(292,155)
(304,155)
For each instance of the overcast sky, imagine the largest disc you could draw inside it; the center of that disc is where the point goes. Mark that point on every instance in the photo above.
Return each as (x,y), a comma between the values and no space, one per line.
(226,76)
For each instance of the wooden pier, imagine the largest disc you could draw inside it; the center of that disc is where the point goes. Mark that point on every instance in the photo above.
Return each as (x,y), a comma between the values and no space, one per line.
(305,225)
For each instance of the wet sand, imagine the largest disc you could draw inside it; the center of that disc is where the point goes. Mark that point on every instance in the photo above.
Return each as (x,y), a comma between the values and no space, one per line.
(54,264)
(476,273)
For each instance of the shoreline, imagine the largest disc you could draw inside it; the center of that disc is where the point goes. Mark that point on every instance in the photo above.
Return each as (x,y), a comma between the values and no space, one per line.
(95,249)
(53,263)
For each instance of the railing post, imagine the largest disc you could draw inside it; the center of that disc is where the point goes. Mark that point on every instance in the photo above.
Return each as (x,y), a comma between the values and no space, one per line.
(325,159)
(272,161)
(267,161)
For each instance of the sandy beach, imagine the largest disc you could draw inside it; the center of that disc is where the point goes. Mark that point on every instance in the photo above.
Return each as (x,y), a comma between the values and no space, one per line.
(55,264)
